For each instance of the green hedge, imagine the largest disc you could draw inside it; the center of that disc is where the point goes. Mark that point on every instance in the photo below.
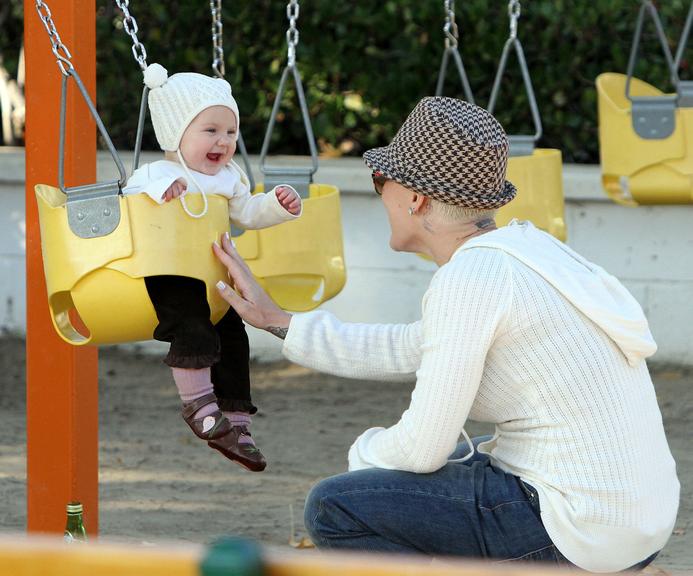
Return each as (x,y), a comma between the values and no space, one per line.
(365,64)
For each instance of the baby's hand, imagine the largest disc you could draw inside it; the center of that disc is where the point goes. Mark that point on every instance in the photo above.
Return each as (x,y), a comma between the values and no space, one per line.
(174,190)
(288,199)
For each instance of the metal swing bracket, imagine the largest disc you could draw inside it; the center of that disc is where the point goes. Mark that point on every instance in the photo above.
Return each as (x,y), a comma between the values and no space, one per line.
(653,117)
(93,210)
(520,144)
(298,177)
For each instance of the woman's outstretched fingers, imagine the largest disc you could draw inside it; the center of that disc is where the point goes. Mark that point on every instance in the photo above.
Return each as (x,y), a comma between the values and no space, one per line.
(248,299)
(230,295)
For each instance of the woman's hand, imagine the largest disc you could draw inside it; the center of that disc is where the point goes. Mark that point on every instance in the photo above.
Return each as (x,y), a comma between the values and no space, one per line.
(251,302)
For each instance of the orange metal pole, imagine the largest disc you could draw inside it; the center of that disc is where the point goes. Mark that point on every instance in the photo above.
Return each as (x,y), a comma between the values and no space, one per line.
(62,389)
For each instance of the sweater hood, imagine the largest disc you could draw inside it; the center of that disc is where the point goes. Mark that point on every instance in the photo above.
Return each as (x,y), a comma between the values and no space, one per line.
(594,292)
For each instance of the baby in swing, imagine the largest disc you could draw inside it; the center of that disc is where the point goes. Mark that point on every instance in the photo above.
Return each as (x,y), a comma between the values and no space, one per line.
(196,120)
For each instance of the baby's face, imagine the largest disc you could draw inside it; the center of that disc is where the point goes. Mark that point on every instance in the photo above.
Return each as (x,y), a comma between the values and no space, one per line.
(209,142)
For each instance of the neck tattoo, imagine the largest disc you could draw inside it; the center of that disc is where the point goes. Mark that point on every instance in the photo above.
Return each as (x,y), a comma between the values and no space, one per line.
(485,223)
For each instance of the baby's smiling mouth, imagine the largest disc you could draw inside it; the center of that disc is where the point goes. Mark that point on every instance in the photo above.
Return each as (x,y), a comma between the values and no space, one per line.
(214,157)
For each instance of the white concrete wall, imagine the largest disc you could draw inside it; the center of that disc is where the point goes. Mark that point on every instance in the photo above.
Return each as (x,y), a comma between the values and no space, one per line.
(649,248)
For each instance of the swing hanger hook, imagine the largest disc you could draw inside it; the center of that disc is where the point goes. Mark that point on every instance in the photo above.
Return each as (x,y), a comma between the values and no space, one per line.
(450,28)
(514,10)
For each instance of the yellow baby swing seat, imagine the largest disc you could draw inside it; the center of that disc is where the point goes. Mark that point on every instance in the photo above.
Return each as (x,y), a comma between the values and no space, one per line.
(538,178)
(300,263)
(636,170)
(101,279)
(645,135)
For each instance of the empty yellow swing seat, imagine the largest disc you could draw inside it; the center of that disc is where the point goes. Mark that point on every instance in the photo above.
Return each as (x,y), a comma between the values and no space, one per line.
(102,279)
(638,170)
(539,181)
(300,263)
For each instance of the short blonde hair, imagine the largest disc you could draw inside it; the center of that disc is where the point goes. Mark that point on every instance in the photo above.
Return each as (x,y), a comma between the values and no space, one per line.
(455,213)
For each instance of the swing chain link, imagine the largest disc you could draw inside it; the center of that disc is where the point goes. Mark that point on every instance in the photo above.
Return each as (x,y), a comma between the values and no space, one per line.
(130,25)
(217,39)
(514,10)
(292,10)
(450,28)
(59,49)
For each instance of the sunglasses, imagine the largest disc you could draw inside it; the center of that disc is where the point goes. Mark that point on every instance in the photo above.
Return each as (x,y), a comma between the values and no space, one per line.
(378,182)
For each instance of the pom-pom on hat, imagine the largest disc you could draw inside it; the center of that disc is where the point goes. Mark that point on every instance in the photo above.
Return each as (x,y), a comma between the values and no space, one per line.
(175,101)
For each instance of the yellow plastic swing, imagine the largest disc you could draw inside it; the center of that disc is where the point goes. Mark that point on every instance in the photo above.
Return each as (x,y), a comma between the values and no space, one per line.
(299,263)
(645,135)
(537,173)
(98,245)
(101,278)
(538,178)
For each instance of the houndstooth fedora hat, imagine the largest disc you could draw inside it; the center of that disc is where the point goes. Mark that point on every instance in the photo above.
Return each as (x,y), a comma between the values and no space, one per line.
(451,151)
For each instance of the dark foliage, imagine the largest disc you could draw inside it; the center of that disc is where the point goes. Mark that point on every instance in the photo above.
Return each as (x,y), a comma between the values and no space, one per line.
(365,64)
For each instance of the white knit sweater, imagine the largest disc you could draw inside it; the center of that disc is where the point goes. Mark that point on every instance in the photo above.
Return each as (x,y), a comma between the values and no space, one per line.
(520,331)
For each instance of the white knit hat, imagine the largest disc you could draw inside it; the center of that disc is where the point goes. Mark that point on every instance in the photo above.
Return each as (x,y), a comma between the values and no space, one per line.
(174,102)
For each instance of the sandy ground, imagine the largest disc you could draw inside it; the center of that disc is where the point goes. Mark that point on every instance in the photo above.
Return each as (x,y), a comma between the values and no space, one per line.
(157,481)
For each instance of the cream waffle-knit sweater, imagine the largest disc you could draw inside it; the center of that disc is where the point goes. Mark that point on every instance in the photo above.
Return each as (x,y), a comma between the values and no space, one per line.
(519,330)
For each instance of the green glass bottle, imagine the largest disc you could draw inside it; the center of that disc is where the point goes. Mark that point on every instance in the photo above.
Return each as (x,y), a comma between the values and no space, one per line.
(74,529)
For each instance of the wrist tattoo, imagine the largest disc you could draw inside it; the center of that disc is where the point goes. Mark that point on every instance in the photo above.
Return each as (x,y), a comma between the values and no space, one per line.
(278,332)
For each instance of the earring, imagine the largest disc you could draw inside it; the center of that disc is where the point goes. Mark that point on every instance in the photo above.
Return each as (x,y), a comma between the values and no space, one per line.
(411,211)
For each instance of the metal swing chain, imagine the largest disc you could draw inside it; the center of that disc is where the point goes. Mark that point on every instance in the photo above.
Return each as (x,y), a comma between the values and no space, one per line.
(514,10)
(59,49)
(130,25)
(217,39)
(450,28)
(219,68)
(140,54)
(292,11)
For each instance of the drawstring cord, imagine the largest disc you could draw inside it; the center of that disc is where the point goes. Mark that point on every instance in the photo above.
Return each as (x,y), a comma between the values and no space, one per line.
(471,449)
(204,196)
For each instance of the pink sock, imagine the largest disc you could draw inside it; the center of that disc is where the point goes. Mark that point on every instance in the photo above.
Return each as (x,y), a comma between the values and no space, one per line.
(240,419)
(193,384)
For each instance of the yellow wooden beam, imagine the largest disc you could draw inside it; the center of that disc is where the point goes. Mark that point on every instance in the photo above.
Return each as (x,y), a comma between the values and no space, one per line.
(49,556)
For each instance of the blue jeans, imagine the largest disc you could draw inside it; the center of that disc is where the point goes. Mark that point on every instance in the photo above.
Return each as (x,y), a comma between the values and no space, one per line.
(470,509)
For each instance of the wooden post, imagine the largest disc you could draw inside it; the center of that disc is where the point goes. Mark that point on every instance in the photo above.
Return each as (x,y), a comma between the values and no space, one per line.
(62,385)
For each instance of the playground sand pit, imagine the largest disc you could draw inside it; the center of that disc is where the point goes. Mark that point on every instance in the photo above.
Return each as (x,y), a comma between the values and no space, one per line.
(159,482)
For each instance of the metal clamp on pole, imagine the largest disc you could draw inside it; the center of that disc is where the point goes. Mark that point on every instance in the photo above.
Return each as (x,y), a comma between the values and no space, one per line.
(520,144)
(451,34)
(653,117)
(93,210)
(298,177)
